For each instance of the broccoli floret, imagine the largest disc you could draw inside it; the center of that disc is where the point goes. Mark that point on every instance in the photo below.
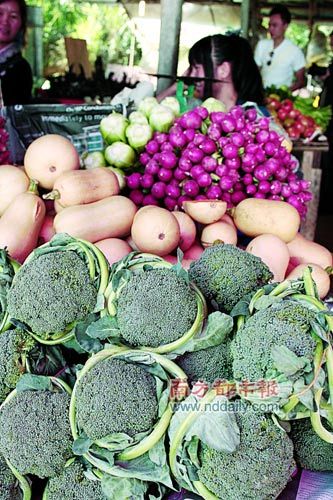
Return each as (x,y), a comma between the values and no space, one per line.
(35,433)
(208,365)
(15,346)
(9,488)
(116,396)
(286,323)
(72,484)
(225,273)
(260,467)
(51,291)
(311,452)
(155,307)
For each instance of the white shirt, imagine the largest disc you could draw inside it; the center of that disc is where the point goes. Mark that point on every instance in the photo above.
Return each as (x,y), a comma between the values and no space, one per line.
(287,58)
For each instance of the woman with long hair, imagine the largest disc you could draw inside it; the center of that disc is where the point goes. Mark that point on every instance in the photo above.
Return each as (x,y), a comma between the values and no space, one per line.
(227,68)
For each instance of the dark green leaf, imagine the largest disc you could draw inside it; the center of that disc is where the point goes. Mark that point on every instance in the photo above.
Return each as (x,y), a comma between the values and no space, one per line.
(304,394)
(30,382)
(120,277)
(83,339)
(319,330)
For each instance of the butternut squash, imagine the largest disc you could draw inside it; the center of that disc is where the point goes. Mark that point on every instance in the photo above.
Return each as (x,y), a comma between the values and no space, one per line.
(20,225)
(111,217)
(13,181)
(78,187)
(254,216)
(47,157)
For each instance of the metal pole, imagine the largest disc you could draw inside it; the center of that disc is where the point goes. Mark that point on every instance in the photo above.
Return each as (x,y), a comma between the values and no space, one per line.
(171,18)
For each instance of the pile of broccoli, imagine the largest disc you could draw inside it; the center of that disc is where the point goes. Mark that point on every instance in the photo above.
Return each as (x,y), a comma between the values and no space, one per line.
(260,467)
(52,291)
(15,347)
(155,307)
(311,452)
(35,433)
(73,484)
(225,273)
(116,397)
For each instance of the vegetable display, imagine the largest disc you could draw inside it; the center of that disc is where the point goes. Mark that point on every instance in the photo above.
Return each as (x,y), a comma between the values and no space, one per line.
(222,155)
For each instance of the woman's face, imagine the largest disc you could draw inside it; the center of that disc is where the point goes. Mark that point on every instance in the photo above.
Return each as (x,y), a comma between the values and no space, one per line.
(197,71)
(10,21)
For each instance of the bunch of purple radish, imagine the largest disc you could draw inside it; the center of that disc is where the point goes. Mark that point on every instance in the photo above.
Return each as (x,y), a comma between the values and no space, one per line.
(226,156)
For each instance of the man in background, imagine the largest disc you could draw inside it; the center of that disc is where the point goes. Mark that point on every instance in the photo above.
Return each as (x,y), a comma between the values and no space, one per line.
(280,61)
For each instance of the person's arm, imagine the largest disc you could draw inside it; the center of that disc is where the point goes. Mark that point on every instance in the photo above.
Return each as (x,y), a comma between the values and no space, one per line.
(299,80)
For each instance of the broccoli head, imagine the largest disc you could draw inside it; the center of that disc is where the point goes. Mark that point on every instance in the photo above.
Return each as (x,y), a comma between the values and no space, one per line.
(225,273)
(260,467)
(15,346)
(116,396)
(52,291)
(155,307)
(208,365)
(311,452)
(73,484)
(9,486)
(286,323)
(35,434)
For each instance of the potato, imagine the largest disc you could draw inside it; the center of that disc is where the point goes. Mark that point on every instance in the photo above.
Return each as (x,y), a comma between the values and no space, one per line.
(254,216)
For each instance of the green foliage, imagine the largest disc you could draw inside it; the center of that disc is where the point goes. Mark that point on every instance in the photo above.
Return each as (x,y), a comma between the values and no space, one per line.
(311,452)
(9,489)
(286,324)
(15,346)
(35,433)
(225,273)
(156,307)
(208,365)
(52,291)
(73,484)
(116,397)
(258,469)
(106,28)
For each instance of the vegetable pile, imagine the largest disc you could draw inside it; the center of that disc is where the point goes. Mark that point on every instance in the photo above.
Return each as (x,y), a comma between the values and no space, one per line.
(229,156)
(142,350)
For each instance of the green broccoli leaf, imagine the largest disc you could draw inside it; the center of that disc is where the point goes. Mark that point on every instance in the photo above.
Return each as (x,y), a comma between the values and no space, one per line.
(286,361)
(104,328)
(115,487)
(81,445)
(218,327)
(304,394)
(30,382)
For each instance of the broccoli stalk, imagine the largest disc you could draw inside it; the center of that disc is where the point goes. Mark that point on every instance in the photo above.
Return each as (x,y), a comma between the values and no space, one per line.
(8,269)
(59,285)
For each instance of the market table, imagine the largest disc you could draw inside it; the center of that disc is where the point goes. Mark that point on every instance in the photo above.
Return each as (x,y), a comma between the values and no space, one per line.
(311,166)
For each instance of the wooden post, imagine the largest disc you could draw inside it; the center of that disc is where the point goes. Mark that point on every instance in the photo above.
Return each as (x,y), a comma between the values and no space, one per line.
(245,17)
(171,18)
